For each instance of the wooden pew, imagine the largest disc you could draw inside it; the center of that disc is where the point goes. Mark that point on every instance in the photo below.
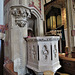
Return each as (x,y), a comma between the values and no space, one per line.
(68,64)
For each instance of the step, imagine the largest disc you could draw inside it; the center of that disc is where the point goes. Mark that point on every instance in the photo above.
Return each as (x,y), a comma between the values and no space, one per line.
(62,73)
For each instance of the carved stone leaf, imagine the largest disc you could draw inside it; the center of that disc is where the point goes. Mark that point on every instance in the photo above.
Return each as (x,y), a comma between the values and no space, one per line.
(21,15)
(20,23)
(21,12)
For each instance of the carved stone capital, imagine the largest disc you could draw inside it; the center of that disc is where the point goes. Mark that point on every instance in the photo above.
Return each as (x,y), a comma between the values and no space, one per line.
(21,14)
(20,11)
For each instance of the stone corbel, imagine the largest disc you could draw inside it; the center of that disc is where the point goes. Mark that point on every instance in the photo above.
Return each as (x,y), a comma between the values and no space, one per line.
(20,11)
(21,14)
(20,23)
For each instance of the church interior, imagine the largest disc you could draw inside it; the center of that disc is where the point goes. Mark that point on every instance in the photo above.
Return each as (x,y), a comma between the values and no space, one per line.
(37,37)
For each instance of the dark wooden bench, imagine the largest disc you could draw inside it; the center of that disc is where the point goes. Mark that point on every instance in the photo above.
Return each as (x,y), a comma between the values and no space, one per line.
(68,64)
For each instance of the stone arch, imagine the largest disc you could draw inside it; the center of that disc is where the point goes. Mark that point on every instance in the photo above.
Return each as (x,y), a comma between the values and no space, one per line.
(37,15)
(56,6)
(31,26)
(35,12)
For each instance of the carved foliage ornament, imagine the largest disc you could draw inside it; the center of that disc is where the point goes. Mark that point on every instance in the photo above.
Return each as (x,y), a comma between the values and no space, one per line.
(21,12)
(21,15)
(33,52)
(45,52)
(20,23)
(55,51)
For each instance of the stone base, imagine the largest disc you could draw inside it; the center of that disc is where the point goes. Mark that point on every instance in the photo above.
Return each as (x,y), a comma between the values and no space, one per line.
(48,73)
(52,68)
(33,72)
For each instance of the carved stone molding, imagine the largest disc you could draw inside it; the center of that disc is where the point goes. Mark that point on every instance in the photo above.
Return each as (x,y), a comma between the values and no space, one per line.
(20,11)
(21,14)
(44,39)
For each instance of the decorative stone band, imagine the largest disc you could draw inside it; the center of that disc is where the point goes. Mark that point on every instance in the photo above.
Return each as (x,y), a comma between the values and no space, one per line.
(51,38)
(21,14)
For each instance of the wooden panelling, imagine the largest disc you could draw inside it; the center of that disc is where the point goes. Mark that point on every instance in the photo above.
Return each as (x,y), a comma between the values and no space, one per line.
(68,65)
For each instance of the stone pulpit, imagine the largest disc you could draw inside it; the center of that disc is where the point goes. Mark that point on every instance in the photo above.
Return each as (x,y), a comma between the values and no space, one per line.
(43,53)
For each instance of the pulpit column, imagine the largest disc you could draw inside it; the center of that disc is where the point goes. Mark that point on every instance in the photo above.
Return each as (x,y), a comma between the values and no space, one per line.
(18,29)
(70,27)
